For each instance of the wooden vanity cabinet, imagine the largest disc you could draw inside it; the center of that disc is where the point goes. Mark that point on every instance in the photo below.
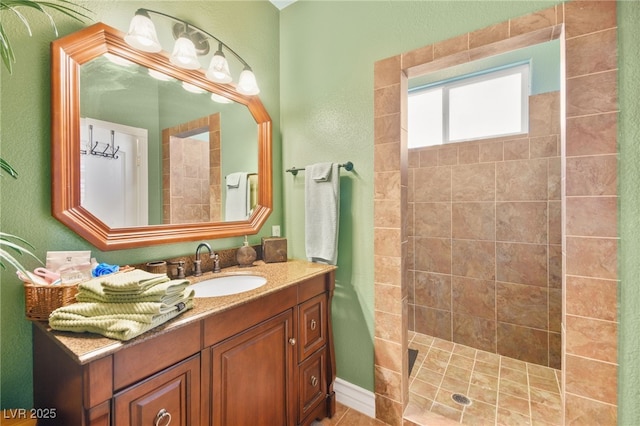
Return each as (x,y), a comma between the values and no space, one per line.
(269,361)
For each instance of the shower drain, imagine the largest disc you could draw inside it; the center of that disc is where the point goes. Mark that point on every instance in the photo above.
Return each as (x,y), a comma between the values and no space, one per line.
(461,399)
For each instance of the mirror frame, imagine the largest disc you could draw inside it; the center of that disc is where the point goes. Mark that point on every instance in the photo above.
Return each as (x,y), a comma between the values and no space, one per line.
(67,55)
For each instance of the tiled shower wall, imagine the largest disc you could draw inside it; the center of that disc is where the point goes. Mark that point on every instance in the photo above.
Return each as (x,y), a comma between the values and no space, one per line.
(590,280)
(485,240)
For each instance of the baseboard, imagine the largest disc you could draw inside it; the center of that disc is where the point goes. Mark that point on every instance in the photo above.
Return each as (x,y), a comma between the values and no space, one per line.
(355,397)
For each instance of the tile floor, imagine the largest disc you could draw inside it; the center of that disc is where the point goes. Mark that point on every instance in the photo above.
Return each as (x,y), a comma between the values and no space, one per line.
(503,391)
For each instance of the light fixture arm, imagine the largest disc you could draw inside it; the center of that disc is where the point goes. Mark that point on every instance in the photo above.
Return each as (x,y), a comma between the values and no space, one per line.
(145,12)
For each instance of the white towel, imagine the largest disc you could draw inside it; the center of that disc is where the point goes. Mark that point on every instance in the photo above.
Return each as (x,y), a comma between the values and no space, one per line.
(237,196)
(322,208)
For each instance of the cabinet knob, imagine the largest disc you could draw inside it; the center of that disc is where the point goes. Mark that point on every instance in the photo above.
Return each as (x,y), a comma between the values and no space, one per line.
(314,381)
(163,418)
(313,324)
(292,341)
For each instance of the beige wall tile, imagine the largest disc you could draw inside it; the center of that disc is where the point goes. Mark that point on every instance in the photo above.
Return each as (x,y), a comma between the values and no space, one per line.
(433,220)
(523,343)
(468,154)
(545,146)
(473,259)
(386,100)
(385,213)
(432,184)
(433,255)
(473,297)
(535,21)
(476,332)
(585,411)
(448,156)
(489,35)
(583,17)
(592,135)
(595,175)
(516,149)
(388,326)
(433,290)
(473,182)
(491,151)
(388,354)
(602,380)
(387,128)
(523,180)
(387,185)
(592,94)
(581,292)
(387,72)
(522,263)
(544,114)
(592,216)
(473,220)
(433,322)
(592,257)
(451,46)
(591,53)
(524,222)
(524,305)
(418,56)
(592,338)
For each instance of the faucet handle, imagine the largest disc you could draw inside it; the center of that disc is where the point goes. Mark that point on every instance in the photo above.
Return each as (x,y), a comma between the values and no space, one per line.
(216,263)
(179,269)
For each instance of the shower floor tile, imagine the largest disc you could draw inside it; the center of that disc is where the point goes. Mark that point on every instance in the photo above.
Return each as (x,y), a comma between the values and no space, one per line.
(502,391)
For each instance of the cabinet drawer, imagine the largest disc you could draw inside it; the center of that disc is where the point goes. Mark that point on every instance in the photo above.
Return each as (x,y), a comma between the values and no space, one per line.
(172,396)
(312,385)
(312,325)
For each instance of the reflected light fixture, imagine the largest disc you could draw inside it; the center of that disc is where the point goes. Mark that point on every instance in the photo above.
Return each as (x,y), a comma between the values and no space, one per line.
(191,42)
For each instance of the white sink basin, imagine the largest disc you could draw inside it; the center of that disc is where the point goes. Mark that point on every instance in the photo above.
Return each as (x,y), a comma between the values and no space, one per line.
(228,284)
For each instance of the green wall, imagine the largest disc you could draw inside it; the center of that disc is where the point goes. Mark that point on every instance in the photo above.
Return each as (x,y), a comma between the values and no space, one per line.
(250,28)
(320,96)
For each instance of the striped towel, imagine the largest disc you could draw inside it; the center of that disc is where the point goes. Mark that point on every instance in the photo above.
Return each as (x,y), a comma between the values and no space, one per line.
(168,292)
(114,327)
(132,282)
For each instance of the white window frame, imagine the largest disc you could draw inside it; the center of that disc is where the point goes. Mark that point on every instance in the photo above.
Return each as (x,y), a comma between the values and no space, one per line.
(522,68)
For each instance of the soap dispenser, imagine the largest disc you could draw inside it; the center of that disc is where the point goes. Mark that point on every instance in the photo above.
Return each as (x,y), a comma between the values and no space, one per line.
(245,254)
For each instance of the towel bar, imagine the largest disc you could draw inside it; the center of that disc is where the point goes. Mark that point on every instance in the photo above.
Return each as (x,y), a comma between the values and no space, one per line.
(348,166)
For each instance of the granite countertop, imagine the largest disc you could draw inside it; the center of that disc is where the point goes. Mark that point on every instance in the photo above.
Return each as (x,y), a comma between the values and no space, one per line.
(86,347)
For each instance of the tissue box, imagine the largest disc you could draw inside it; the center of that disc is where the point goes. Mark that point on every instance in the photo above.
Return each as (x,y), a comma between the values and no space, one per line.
(274,249)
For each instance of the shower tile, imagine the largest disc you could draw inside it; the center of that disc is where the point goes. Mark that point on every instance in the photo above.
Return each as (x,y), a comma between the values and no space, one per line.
(387,128)
(592,257)
(474,221)
(592,338)
(589,16)
(388,354)
(473,182)
(524,305)
(592,94)
(473,297)
(489,35)
(512,388)
(468,154)
(545,146)
(433,290)
(516,149)
(491,152)
(451,46)
(555,266)
(464,351)
(417,56)
(428,158)
(592,135)
(388,326)
(424,389)
(491,369)
(478,393)
(522,263)
(448,156)
(592,53)
(554,182)
(388,270)
(592,175)
(479,409)
(386,100)
(484,381)
(476,332)
(582,291)
(516,376)
(388,298)
(513,403)
(462,361)
(433,322)
(522,222)
(555,222)
(524,180)
(523,343)
(474,259)
(433,184)
(587,411)
(430,376)
(555,309)
(386,157)
(433,220)
(385,213)
(544,114)
(543,414)
(592,216)
(534,21)
(388,383)
(445,411)
(387,72)
(508,417)
(433,255)
(387,185)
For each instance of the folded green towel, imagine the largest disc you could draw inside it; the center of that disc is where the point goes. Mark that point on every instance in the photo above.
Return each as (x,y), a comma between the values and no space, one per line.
(109,326)
(131,282)
(145,309)
(168,292)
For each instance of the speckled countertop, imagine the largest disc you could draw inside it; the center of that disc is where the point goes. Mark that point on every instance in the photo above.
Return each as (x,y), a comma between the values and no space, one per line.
(86,347)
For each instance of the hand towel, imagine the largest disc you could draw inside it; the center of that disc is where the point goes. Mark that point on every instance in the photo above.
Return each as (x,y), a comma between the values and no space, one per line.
(143,309)
(165,292)
(132,282)
(108,326)
(236,198)
(322,208)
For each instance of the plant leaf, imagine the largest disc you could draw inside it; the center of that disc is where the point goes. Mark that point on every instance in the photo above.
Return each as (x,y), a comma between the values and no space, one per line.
(7,168)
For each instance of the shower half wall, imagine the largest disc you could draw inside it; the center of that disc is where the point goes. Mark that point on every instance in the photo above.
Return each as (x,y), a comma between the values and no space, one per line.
(485,242)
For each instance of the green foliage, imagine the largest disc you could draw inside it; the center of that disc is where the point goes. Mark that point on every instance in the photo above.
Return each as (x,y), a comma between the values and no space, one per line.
(10,245)
(13,6)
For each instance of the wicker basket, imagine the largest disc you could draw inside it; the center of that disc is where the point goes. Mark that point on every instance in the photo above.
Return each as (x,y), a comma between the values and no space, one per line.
(41,300)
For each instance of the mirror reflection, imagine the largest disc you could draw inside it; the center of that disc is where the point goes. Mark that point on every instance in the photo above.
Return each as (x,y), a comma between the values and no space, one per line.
(155,150)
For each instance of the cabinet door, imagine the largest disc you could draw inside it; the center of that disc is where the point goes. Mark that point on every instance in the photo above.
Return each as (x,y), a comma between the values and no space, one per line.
(252,376)
(170,397)
(312,384)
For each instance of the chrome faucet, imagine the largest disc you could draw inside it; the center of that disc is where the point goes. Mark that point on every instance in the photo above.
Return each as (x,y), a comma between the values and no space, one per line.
(197,269)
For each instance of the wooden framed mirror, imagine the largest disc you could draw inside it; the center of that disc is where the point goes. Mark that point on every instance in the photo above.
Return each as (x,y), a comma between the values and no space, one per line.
(88,91)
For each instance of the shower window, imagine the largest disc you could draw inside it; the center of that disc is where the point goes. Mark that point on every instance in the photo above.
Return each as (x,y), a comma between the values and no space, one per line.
(479,106)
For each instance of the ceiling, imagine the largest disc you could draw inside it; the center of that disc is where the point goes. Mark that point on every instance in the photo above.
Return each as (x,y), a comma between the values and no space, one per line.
(281,4)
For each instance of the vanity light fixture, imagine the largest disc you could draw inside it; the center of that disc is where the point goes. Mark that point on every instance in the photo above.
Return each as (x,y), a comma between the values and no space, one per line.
(191,42)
